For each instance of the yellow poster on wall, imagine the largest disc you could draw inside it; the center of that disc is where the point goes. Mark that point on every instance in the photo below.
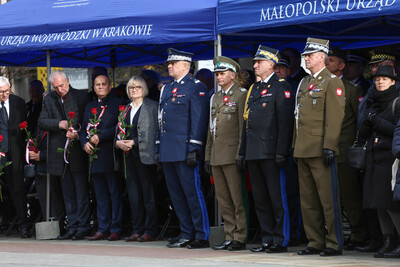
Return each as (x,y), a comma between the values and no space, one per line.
(42,74)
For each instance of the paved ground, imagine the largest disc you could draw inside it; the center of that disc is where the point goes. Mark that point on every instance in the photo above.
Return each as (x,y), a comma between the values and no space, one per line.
(17,252)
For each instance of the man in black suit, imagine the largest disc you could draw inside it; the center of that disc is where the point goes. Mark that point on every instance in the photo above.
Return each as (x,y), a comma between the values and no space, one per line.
(34,106)
(54,120)
(106,183)
(12,113)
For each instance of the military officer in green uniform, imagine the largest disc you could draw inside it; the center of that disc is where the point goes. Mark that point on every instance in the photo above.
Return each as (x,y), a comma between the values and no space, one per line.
(349,183)
(319,114)
(224,135)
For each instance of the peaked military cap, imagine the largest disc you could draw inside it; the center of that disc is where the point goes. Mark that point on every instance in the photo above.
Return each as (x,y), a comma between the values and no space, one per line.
(354,57)
(284,60)
(266,53)
(379,56)
(176,55)
(386,71)
(337,52)
(314,45)
(225,63)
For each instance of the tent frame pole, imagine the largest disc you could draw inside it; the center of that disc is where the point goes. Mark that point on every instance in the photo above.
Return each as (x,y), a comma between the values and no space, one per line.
(48,65)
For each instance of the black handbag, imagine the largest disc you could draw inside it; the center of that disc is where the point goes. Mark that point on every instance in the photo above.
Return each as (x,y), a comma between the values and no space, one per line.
(357,155)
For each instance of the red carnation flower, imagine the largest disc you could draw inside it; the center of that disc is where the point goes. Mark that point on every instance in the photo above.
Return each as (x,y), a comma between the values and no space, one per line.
(121,107)
(1,138)
(23,125)
(94,111)
(71,115)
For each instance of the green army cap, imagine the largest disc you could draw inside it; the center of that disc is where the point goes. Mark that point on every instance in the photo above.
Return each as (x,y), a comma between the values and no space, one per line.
(314,45)
(222,63)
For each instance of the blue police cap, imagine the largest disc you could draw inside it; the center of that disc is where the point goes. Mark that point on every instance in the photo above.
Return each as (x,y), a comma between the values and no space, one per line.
(176,55)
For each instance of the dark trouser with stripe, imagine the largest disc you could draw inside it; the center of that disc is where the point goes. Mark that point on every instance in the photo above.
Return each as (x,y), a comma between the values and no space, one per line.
(269,192)
(184,187)
(319,197)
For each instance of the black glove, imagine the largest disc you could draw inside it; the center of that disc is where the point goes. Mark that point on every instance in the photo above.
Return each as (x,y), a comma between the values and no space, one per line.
(241,163)
(207,168)
(280,160)
(191,159)
(329,157)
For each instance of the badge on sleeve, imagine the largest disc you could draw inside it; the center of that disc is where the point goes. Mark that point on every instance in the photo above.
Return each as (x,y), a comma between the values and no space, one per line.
(360,99)
(287,94)
(225,99)
(338,91)
(263,92)
(311,86)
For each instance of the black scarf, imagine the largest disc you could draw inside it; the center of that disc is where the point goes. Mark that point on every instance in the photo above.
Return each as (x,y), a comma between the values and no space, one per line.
(382,99)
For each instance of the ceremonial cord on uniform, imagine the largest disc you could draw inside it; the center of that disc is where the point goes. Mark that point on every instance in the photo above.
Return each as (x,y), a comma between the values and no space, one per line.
(246,108)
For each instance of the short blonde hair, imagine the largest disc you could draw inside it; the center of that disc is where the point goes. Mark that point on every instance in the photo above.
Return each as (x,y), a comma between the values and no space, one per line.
(137,80)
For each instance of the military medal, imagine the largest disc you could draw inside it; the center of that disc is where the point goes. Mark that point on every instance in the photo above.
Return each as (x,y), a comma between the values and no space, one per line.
(263,92)
(311,86)
(264,105)
(225,99)
(173,99)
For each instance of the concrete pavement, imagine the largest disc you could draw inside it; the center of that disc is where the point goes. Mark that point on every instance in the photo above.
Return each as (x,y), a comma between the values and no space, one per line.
(30,252)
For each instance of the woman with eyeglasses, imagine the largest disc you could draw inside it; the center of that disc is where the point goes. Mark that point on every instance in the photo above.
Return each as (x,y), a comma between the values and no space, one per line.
(378,129)
(139,148)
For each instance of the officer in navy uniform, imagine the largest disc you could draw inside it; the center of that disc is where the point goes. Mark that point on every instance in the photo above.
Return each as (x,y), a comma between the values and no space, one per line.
(183,121)
(265,146)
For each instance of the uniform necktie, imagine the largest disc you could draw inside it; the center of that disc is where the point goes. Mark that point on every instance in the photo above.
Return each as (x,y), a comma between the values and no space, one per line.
(4,113)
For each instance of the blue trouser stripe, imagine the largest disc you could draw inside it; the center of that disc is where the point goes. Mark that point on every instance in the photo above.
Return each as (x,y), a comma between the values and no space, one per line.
(338,222)
(286,218)
(197,182)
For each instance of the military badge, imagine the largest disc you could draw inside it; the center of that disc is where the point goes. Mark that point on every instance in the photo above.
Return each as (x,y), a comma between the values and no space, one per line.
(173,99)
(269,85)
(264,105)
(360,99)
(263,92)
(225,99)
(202,94)
(311,86)
(174,90)
(316,90)
(338,91)
(287,94)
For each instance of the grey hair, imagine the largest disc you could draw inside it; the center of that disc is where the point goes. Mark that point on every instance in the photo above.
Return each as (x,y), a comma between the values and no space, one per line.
(57,72)
(4,81)
(139,81)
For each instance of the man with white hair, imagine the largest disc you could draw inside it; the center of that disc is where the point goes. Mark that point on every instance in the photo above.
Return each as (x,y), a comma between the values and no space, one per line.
(12,113)
(70,169)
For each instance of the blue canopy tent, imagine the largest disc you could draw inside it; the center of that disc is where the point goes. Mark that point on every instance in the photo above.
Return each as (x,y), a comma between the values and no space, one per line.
(348,24)
(86,33)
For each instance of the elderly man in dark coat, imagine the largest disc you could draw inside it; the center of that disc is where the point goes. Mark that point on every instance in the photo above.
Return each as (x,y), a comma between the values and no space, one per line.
(12,113)
(72,169)
(106,184)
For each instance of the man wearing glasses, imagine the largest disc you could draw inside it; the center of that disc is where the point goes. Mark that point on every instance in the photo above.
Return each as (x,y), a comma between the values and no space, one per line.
(12,113)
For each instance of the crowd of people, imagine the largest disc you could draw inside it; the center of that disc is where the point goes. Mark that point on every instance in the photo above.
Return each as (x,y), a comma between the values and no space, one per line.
(288,128)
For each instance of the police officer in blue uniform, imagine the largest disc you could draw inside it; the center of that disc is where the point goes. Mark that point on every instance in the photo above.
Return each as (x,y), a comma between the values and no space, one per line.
(265,145)
(183,121)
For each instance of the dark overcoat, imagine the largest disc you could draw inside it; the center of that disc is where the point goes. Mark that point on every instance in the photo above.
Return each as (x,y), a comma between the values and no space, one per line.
(53,111)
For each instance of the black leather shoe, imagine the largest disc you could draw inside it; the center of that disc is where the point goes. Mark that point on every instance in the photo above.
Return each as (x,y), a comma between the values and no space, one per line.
(79,235)
(236,245)
(309,251)
(67,235)
(393,254)
(25,233)
(222,246)
(330,252)
(276,249)
(351,245)
(371,247)
(198,243)
(262,248)
(174,239)
(181,243)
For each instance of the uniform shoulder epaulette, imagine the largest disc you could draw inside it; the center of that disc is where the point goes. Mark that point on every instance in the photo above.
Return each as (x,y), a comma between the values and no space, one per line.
(353,83)
(196,81)
(243,90)
(333,76)
(282,80)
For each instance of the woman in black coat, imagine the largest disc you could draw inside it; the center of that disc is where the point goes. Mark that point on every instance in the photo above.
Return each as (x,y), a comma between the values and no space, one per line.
(378,129)
(139,147)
